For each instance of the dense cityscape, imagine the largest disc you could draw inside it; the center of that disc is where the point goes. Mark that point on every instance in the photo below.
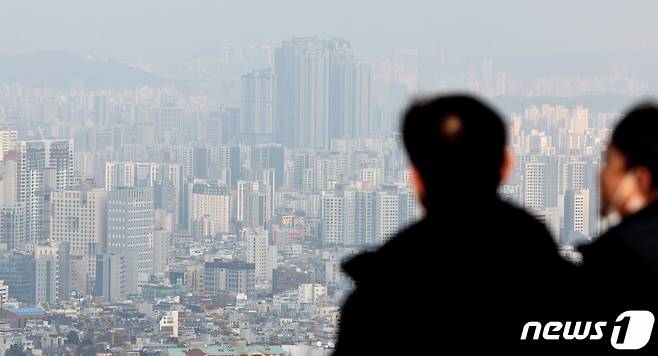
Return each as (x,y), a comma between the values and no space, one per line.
(159,219)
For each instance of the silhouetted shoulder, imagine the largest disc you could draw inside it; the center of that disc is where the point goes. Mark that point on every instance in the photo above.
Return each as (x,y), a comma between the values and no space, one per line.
(519,223)
(357,266)
(366,266)
(608,242)
(518,214)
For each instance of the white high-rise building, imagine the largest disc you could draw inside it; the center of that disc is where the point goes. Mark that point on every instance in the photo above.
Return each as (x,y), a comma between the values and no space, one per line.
(187,161)
(8,142)
(349,217)
(258,252)
(130,228)
(365,218)
(533,186)
(325,172)
(166,177)
(79,218)
(332,219)
(409,208)
(576,174)
(12,213)
(576,216)
(9,182)
(251,203)
(44,165)
(210,203)
(129,174)
(387,216)
(52,268)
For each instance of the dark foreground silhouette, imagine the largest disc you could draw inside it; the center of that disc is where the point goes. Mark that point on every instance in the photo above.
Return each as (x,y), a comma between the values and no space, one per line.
(465,278)
(621,271)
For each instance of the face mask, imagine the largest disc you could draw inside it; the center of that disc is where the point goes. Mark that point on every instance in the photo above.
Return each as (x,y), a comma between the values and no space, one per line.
(620,197)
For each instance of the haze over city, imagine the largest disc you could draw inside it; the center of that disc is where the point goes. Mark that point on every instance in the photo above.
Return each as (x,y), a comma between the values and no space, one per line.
(180,175)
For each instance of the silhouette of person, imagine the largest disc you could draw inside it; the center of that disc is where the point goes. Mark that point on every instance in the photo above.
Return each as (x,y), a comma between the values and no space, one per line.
(621,266)
(474,269)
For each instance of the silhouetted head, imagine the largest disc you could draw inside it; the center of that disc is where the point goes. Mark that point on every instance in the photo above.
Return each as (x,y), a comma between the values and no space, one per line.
(629,177)
(457,146)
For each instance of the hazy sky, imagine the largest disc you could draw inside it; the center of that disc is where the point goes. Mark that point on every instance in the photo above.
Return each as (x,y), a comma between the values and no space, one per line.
(148,30)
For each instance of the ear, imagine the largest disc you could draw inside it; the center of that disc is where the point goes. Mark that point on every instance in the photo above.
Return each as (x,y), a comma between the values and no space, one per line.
(644,179)
(417,183)
(507,167)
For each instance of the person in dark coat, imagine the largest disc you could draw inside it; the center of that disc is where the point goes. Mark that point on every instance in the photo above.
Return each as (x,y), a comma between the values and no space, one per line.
(467,276)
(621,266)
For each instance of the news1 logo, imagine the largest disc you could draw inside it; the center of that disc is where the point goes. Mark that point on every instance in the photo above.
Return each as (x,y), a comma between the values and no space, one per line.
(631,330)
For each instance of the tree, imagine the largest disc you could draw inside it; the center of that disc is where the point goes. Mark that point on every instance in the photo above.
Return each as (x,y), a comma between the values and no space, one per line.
(72,338)
(88,339)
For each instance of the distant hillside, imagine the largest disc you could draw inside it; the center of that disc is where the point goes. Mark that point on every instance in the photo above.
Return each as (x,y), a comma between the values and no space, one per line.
(59,69)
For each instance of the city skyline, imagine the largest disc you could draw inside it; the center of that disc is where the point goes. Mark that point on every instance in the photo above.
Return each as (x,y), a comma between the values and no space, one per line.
(175,178)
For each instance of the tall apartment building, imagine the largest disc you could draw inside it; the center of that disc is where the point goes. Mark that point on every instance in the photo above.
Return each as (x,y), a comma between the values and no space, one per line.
(44,165)
(129,174)
(111,276)
(209,204)
(8,142)
(130,228)
(320,92)
(259,252)
(52,271)
(79,218)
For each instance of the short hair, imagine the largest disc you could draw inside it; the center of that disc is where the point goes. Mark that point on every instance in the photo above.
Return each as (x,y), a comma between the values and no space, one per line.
(636,137)
(457,144)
